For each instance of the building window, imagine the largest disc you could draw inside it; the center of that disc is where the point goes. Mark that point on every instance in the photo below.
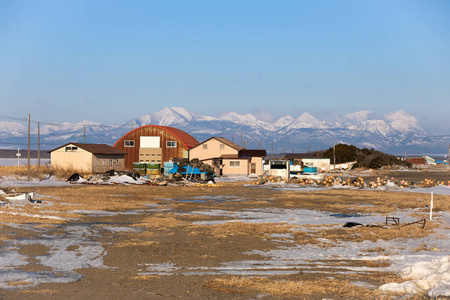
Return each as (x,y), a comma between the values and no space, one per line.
(205,146)
(71,149)
(171,144)
(222,146)
(116,162)
(97,163)
(110,162)
(129,143)
(235,164)
(104,162)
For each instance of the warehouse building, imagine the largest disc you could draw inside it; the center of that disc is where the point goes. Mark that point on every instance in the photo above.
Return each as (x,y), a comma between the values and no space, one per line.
(154,144)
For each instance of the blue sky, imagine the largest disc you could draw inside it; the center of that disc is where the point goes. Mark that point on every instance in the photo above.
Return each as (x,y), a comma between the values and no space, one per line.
(111,61)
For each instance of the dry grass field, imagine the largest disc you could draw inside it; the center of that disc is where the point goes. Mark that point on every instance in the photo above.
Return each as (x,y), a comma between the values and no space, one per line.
(229,242)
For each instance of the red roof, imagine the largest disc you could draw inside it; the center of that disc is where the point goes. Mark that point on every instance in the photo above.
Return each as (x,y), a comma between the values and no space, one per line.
(188,140)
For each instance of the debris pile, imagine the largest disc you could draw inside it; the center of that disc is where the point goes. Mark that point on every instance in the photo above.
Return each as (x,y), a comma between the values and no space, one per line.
(268,178)
(117,178)
(208,184)
(331,180)
(340,180)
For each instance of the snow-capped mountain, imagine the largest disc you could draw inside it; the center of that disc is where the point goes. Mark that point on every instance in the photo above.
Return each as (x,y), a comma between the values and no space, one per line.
(12,129)
(403,122)
(395,132)
(374,127)
(170,117)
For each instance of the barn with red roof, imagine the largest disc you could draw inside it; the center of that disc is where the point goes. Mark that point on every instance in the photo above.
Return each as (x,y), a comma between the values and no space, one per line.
(154,144)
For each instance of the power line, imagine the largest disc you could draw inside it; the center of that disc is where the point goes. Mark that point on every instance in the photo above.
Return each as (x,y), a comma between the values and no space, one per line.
(63,124)
(13,118)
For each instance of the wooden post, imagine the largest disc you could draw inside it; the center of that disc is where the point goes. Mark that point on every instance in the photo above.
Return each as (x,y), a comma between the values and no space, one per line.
(431,207)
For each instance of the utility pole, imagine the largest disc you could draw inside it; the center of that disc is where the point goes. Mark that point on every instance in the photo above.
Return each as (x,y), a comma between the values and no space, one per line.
(39,146)
(28,167)
(272,149)
(334,156)
(84,134)
(241,138)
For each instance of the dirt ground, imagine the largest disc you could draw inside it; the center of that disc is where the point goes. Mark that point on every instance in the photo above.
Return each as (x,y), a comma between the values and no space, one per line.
(172,242)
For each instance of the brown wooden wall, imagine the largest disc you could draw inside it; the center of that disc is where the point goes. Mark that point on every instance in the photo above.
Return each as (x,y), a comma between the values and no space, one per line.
(132,153)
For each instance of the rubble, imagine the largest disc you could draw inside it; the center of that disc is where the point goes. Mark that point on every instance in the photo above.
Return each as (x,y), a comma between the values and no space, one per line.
(359,182)
(268,178)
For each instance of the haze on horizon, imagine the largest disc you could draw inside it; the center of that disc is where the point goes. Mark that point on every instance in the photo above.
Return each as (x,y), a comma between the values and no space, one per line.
(110,62)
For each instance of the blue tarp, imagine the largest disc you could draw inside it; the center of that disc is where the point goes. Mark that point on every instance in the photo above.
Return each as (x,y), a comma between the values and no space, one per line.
(196,170)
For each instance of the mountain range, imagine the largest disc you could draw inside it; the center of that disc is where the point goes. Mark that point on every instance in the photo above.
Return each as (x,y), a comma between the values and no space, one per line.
(395,133)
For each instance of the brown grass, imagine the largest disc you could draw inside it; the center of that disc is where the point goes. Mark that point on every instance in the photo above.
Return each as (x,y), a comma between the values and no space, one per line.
(161,221)
(285,288)
(37,172)
(306,289)
(261,230)
(41,292)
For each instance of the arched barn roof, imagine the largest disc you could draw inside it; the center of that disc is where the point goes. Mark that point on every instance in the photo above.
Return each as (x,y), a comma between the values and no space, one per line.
(188,140)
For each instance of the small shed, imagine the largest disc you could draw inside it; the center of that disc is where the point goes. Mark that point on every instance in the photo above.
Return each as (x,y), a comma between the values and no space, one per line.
(280,168)
(95,158)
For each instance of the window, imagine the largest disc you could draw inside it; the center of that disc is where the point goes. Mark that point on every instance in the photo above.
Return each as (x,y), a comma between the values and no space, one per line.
(171,144)
(104,162)
(110,162)
(205,146)
(129,143)
(235,164)
(222,146)
(116,162)
(97,163)
(71,149)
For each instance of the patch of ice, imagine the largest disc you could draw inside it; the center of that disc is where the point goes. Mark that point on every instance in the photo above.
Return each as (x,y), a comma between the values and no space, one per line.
(159,269)
(120,229)
(66,253)
(34,215)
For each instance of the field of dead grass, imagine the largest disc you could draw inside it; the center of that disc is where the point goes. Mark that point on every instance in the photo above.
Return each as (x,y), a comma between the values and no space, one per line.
(163,230)
(36,172)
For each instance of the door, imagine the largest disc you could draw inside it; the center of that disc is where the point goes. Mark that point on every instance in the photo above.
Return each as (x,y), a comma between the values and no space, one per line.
(253,168)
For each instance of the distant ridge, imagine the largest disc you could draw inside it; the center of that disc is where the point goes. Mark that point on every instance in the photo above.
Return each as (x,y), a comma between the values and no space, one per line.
(9,153)
(397,132)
